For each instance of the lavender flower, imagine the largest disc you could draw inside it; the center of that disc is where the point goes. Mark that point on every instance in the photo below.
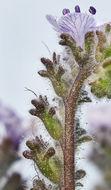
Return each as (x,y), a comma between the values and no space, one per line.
(15,126)
(100,122)
(76,24)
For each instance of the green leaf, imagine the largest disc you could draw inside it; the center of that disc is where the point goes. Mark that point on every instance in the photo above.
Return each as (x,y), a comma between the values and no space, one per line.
(53,125)
(50,168)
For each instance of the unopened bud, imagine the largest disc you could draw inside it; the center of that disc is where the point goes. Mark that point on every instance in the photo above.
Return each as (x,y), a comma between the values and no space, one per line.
(49,153)
(32,144)
(54,58)
(39,105)
(52,111)
(43,73)
(33,112)
(28,154)
(47,62)
(61,71)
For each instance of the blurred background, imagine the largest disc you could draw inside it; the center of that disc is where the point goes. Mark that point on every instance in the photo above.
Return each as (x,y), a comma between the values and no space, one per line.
(24,37)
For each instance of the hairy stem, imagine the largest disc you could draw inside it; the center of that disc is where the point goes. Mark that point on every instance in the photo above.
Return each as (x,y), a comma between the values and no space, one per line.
(69,149)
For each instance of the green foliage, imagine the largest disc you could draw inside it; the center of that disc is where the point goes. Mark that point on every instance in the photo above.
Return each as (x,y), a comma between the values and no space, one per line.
(47,115)
(106,52)
(101,85)
(50,167)
(108,28)
(55,72)
(52,125)
(45,159)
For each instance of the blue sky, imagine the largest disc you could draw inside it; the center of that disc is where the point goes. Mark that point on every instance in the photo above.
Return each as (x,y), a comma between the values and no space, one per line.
(23,29)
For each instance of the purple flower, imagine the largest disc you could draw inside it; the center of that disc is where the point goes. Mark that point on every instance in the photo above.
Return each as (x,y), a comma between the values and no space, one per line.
(76,24)
(15,126)
(100,121)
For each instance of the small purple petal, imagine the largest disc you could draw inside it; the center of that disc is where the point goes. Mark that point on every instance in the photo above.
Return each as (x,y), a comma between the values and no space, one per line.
(77,9)
(92,10)
(65,11)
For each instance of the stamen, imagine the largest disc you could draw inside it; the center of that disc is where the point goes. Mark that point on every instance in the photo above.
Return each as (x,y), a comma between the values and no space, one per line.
(77,9)
(92,10)
(65,11)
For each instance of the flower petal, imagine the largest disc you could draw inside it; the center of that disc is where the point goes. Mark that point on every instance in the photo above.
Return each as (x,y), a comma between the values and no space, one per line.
(52,20)
(77,25)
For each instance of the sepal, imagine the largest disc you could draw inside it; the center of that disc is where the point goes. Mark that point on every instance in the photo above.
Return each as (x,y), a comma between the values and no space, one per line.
(54,71)
(46,160)
(47,115)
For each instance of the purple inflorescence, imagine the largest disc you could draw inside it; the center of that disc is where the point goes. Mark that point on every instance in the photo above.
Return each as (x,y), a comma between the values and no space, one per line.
(74,24)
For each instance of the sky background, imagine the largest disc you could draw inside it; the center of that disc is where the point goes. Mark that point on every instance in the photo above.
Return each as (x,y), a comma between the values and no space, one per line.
(23,32)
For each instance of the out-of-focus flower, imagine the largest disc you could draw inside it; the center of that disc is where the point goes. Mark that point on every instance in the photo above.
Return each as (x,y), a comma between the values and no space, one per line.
(99,115)
(100,122)
(15,182)
(8,155)
(16,127)
(100,127)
